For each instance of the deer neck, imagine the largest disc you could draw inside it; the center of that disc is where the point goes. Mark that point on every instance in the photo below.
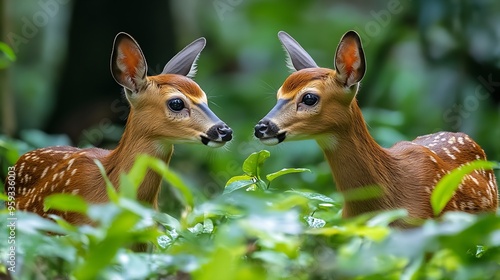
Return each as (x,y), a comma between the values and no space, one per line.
(133,143)
(356,161)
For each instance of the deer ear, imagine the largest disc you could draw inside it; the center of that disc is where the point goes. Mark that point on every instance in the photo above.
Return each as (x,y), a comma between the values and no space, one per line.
(350,59)
(184,62)
(297,57)
(128,65)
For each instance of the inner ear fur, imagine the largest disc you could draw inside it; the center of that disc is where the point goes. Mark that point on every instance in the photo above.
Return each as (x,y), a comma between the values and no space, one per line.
(350,59)
(128,65)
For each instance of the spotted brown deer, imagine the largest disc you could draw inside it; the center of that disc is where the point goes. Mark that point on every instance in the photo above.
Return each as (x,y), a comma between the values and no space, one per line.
(165,109)
(320,103)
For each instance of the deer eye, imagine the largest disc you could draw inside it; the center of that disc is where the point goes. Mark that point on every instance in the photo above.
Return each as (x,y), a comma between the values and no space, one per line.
(310,99)
(176,104)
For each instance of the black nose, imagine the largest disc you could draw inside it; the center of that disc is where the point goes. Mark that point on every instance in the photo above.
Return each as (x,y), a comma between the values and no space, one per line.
(261,128)
(225,132)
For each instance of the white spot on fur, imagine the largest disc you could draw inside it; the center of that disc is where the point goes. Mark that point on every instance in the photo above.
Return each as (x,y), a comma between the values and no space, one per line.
(44,172)
(474,180)
(433,159)
(448,153)
(70,163)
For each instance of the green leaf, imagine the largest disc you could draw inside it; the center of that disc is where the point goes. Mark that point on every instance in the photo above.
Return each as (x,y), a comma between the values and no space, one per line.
(3,197)
(31,223)
(238,178)
(63,223)
(313,222)
(102,252)
(270,177)
(110,189)
(127,187)
(236,185)
(65,202)
(12,149)
(449,183)
(167,221)
(9,55)
(313,196)
(252,165)
(387,217)
(140,167)
(373,233)
(290,201)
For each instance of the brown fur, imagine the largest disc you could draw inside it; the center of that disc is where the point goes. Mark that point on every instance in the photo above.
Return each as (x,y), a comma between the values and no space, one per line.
(152,128)
(404,174)
(182,84)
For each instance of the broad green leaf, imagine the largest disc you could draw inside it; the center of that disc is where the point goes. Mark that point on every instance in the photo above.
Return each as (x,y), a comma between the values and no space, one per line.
(136,208)
(290,201)
(222,264)
(236,185)
(208,226)
(12,149)
(140,167)
(167,220)
(314,196)
(31,223)
(127,188)
(387,217)
(176,182)
(251,166)
(447,186)
(110,189)
(270,177)
(165,241)
(315,222)
(103,251)
(8,55)
(196,229)
(373,233)
(63,223)
(7,51)
(65,202)
(238,178)
(3,197)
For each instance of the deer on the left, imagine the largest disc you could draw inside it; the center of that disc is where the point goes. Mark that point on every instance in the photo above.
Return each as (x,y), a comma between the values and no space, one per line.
(165,109)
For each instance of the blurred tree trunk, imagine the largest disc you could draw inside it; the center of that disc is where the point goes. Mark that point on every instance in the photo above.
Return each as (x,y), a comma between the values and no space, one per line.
(8,123)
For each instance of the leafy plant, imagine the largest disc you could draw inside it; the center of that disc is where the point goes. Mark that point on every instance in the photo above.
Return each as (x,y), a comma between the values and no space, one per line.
(250,231)
(8,56)
(253,178)
(447,186)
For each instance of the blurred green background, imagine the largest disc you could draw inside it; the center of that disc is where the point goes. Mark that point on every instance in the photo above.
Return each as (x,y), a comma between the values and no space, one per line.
(431,66)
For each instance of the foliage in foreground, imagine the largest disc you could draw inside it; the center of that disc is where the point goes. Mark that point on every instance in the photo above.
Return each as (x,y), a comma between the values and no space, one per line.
(253,230)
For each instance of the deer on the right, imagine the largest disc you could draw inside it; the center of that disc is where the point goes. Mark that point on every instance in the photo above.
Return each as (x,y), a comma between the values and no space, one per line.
(320,103)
